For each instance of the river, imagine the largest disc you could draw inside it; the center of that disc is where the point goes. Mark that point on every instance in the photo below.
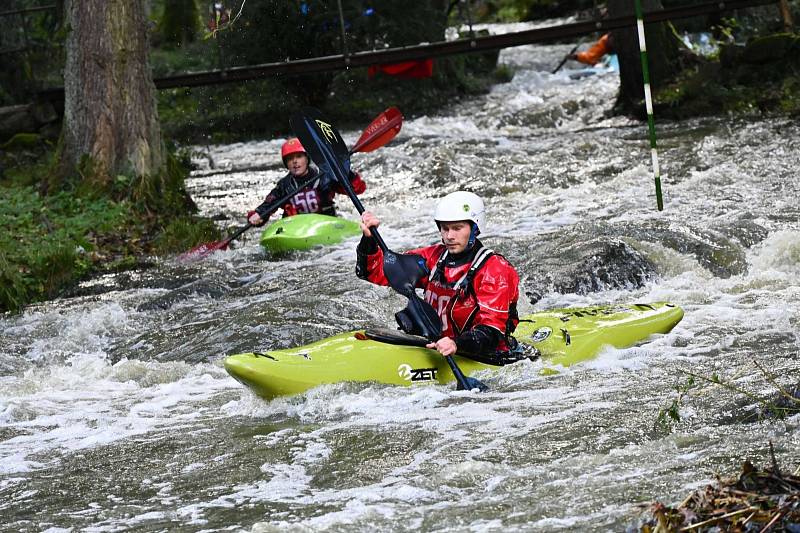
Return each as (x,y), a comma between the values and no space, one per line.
(116,413)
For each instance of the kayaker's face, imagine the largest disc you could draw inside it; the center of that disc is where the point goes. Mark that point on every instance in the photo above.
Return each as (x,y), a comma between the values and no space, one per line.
(297,164)
(455,235)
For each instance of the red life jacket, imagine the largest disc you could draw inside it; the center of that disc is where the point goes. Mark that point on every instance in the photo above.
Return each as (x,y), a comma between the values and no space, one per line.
(483,292)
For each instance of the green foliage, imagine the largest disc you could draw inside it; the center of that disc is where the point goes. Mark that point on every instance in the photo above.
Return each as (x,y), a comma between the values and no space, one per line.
(785,402)
(503,73)
(164,194)
(760,77)
(22,141)
(790,96)
(519,10)
(47,242)
(38,38)
(50,242)
(670,414)
(13,293)
(183,233)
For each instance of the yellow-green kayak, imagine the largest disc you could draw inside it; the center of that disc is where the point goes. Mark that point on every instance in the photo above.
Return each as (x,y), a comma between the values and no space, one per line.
(561,336)
(302,232)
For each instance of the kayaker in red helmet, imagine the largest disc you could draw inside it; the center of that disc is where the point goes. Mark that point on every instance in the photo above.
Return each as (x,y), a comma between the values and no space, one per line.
(314,198)
(473,289)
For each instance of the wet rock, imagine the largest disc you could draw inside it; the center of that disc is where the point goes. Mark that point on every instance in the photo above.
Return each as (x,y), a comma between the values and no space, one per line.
(599,256)
(747,232)
(28,118)
(599,264)
(15,119)
(715,251)
(770,48)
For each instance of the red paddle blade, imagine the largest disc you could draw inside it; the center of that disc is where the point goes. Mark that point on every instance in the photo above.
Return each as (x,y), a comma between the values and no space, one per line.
(202,250)
(382,130)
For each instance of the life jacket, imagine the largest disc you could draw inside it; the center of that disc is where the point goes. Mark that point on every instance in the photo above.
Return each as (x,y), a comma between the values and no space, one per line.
(456,302)
(311,199)
(318,197)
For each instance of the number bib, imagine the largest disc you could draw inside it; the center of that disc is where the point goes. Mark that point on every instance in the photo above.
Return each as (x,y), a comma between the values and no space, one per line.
(306,201)
(440,296)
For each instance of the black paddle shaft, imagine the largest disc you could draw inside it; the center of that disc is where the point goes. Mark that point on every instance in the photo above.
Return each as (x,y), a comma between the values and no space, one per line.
(326,147)
(328,150)
(566,57)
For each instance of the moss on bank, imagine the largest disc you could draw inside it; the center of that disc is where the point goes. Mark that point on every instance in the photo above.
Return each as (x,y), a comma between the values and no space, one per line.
(51,242)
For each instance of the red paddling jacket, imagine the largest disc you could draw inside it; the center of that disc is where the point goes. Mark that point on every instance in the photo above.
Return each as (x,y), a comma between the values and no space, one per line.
(475,294)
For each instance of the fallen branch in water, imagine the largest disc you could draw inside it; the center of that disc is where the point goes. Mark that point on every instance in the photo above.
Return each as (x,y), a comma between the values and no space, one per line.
(755,501)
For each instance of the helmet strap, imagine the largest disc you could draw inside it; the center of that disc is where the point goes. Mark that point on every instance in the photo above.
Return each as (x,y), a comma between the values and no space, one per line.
(473,234)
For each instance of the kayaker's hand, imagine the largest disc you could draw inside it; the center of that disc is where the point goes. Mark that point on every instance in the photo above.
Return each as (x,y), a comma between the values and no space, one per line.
(254,218)
(445,346)
(368,220)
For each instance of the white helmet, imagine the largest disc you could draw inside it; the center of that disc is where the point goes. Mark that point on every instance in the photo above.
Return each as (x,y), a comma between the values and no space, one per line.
(461,205)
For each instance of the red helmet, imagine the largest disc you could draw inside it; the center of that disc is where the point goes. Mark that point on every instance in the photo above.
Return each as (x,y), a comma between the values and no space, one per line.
(292,146)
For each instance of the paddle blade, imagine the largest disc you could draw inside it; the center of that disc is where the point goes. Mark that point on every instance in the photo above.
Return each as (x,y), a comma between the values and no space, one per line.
(403,271)
(323,142)
(382,130)
(464,382)
(202,250)
(423,317)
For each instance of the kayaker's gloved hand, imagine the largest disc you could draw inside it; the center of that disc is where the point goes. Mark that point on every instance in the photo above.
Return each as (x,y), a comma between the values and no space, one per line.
(367,246)
(481,339)
(357,182)
(255,219)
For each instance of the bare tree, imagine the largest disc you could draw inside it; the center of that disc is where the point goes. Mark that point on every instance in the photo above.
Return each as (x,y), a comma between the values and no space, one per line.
(111,124)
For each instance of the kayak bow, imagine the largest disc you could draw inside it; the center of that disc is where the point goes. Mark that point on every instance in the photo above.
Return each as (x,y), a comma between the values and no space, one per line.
(303,232)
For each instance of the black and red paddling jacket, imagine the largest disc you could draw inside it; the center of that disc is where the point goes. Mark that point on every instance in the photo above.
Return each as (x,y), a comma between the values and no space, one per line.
(314,198)
(475,295)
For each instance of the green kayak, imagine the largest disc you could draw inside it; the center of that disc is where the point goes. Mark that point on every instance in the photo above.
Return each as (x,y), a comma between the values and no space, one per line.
(561,336)
(303,232)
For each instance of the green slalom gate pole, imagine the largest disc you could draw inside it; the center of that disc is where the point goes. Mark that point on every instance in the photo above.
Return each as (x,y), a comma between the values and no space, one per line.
(649,102)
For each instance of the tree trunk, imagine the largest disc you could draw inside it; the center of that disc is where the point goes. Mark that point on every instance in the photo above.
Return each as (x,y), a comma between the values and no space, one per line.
(662,52)
(110,101)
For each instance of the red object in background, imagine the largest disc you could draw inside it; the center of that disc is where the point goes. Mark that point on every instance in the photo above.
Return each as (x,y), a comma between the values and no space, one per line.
(407,69)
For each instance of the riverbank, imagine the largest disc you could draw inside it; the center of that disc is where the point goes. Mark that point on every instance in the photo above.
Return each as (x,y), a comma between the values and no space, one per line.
(50,243)
(766,499)
(760,77)
(55,241)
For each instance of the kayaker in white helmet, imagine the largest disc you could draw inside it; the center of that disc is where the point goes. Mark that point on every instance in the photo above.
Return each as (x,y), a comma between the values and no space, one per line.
(473,289)
(316,197)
